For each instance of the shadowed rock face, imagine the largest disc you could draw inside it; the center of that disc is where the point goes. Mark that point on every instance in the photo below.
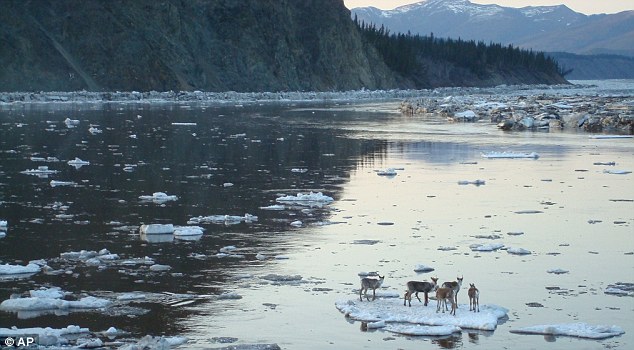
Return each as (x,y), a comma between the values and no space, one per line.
(221,45)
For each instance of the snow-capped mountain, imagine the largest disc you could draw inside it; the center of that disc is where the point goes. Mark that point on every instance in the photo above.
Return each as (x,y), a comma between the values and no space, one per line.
(536,27)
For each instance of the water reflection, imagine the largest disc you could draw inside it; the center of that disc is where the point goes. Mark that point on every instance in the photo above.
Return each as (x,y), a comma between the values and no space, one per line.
(209,161)
(451,342)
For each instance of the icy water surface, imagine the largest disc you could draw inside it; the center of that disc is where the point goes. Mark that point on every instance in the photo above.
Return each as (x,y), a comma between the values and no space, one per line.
(275,279)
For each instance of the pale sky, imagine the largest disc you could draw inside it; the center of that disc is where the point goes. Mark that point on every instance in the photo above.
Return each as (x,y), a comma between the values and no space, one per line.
(584,6)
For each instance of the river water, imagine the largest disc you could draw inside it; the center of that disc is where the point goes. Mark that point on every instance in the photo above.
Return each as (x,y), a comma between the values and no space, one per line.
(283,280)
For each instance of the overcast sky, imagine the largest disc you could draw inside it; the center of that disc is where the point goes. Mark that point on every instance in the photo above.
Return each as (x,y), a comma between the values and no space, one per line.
(584,6)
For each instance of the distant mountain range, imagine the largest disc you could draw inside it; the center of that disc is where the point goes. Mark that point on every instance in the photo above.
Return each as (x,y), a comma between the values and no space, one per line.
(541,28)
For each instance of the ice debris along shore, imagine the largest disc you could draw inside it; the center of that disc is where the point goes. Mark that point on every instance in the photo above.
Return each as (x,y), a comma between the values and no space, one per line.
(401,319)
(527,111)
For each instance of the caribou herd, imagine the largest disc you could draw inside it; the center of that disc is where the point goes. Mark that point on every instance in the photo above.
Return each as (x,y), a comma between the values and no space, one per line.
(447,292)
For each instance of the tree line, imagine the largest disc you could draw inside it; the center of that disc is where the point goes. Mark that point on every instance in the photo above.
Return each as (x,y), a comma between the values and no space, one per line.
(404,53)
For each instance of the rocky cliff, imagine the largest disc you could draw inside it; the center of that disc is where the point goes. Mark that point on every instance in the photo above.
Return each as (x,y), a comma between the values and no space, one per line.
(213,45)
(210,45)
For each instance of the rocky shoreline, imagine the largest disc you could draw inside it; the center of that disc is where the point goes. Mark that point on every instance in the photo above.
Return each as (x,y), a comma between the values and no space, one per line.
(597,113)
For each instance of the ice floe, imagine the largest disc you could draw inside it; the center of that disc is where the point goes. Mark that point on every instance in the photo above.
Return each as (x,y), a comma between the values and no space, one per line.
(423,268)
(386,172)
(71,123)
(557,271)
(56,183)
(518,251)
(486,247)
(493,155)
(155,229)
(41,170)
(621,289)
(222,219)
(306,199)
(158,198)
(274,207)
(392,312)
(8,269)
(617,171)
(580,330)
(601,137)
(77,163)
(473,182)
(158,343)
(47,303)
(182,231)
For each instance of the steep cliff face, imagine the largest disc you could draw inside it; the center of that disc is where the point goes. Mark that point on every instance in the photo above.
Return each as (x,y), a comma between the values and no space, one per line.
(214,45)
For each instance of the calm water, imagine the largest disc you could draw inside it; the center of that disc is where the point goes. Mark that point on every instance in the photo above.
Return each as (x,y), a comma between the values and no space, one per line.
(255,147)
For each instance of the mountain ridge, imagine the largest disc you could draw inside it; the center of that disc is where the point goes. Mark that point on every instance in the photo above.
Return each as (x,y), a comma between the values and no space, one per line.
(541,28)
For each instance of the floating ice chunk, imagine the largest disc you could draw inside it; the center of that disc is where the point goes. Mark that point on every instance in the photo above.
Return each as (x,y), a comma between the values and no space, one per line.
(131,296)
(184,124)
(474,182)
(518,251)
(417,330)
(422,268)
(158,197)
(71,123)
(274,207)
(52,293)
(282,278)
(229,295)
(261,256)
(297,223)
(557,271)
(89,302)
(486,247)
(515,233)
(386,172)
(158,343)
(580,330)
(392,311)
(159,268)
(93,130)
(7,269)
(299,170)
(41,303)
(41,170)
(3,224)
(611,136)
(223,219)
(620,288)
(55,183)
(528,212)
(306,199)
(81,255)
(188,231)
(532,155)
(228,249)
(78,163)
(616,171)
(138,261)
(89,343)
(155,229)
(443,248)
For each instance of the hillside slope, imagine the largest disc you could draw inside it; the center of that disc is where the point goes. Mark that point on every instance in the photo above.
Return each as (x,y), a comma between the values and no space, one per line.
(162,45)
